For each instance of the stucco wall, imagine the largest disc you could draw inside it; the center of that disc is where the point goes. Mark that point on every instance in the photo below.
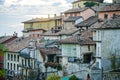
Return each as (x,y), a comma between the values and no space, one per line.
(69,25)
(109,44)
(87,13)
(110,14)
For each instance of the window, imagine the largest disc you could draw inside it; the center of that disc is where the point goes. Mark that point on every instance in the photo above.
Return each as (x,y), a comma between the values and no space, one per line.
(14,66)
(11,57)
(17,67)
(71,59)
(11,66)
(8,65)
(22,62)
(88,47)
(114,15)
(14,57)
(87,58)
(105,16)
(8,56)
(37,35)
(25,62)
(18,58)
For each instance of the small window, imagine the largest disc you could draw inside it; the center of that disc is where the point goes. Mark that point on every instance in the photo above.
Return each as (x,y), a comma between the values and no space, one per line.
(8,65)
(14,66)
(71,59)
(11,57)
(14,57)
(11,66)
(105,16)
(87,58)
(18,58)
(8,56)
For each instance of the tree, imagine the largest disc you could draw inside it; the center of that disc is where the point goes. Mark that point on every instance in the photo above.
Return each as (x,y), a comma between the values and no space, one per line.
(53,77)
(90,4)
(32,74)
(73,77)
(2,49)
(115,64)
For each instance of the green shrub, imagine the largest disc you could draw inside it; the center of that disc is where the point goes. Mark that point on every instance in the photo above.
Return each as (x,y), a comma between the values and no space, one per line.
(2,73)
(73,77)
(53,77)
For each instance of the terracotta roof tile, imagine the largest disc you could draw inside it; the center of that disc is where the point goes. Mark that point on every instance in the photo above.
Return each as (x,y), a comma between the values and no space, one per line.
(62,32)
(42,19)
(49,51)
(5,38)
(110,24)
(84,39)
(68,31)
(108,8)
(17,44)
(87,23)
(75,10)
(72,18)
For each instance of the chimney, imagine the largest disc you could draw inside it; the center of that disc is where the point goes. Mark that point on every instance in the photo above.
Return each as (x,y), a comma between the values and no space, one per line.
(54,15)
(15,34)
(48,15)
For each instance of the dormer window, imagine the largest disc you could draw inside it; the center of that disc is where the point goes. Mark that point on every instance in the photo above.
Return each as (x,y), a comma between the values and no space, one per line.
(105,16)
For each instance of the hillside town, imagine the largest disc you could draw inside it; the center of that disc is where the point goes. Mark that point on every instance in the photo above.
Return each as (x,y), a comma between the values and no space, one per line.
(82,42)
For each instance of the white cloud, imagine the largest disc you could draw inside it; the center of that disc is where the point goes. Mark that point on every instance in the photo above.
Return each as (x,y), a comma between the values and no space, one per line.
(34,7)
(16,25)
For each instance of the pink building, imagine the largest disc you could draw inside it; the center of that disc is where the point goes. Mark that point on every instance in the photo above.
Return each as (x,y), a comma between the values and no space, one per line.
(107,12)
(84,12)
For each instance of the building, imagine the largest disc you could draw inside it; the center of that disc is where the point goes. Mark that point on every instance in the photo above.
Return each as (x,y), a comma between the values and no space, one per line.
(77,52)
(33,33)
(43,23)
(36,27)
(3,41)
(107,39)
(71,21)
(87,24)
(12,58)
(108,11)
(80,3)
(83,12)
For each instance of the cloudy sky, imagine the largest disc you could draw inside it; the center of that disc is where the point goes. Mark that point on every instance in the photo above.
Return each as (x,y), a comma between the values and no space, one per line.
(13,12)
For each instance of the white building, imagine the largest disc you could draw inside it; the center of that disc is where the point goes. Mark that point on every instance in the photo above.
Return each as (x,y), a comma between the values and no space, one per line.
(107,38)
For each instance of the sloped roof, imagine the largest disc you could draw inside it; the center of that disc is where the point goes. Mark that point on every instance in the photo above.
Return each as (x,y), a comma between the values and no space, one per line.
(85,0)
(43,19)
(62,32)
(87,23)
(107,8)
(84,39)
(68,31)
(50,51)
(75,10)
(6,38)
(72,18)
(17,44)
(111,24)
(50,33)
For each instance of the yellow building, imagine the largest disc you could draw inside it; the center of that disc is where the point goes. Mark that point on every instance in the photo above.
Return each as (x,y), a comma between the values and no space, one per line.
(35,27)
(43,23)
(80,3)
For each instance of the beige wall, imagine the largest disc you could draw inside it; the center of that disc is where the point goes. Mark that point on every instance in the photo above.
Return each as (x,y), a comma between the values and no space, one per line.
(68,25)
(87,13)
(110,14)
